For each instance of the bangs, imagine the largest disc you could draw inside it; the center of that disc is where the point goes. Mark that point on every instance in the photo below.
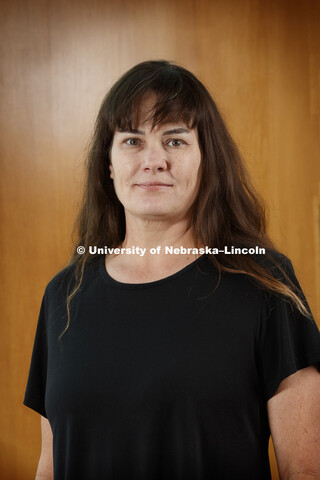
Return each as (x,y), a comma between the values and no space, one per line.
(164,110)
(175,99)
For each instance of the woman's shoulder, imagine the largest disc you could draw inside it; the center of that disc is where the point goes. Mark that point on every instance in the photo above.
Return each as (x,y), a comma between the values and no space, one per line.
(274,262)
(280,267)
(266,267)
(60,281)
(66,278)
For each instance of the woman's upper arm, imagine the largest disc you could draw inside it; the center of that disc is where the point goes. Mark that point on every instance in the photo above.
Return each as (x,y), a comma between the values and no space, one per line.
(294,419)
(45,466)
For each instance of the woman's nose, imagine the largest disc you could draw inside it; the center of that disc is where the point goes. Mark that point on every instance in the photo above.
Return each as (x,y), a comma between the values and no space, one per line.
(154,158)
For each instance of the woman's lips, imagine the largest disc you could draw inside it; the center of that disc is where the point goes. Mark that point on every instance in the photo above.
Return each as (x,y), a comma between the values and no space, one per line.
(153,185)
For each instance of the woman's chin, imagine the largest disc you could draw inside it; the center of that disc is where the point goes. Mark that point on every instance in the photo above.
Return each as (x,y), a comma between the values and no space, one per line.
(153,213)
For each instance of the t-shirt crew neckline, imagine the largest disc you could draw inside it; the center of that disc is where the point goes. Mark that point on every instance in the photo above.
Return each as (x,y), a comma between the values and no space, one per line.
(105,275)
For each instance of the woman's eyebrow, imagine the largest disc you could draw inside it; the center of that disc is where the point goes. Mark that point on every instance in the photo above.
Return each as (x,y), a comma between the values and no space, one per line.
(132,130)
(176,131)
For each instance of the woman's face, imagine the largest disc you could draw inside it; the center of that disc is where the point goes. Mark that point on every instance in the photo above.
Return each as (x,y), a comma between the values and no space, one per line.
(156,172)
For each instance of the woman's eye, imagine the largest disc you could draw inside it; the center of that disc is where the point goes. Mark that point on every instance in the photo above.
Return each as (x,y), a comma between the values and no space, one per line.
(133,142)
(175,143)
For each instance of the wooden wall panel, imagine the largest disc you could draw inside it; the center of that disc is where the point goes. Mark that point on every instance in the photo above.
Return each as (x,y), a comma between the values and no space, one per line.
(259,59)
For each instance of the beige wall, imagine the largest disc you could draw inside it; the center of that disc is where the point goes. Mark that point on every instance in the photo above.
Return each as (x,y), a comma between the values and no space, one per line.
(260,59)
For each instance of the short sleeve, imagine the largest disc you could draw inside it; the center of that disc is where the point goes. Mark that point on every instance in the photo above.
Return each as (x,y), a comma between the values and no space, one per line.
(36,384)
(289,341)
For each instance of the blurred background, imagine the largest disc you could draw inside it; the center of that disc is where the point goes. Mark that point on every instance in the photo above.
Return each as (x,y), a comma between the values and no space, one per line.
(259,59)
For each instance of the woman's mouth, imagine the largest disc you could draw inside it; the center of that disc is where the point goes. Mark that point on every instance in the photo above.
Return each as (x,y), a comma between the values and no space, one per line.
(154,185)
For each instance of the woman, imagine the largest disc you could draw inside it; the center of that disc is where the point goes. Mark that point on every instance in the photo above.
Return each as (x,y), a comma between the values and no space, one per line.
(149,364)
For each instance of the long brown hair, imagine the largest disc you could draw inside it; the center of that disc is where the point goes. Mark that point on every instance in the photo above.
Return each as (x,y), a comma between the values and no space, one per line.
(228,211)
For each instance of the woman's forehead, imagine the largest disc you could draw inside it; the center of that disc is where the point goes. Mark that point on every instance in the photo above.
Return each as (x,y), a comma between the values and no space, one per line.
(146,107)
(152,109)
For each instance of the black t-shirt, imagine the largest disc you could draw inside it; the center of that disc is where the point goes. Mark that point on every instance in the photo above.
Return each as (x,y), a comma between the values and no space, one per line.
(167,379)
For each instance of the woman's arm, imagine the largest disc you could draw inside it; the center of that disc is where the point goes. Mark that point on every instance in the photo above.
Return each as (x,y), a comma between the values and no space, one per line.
(45,465)
(294,418)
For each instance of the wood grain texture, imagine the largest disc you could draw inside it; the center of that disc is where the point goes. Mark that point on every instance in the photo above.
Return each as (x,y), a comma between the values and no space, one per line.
(260,60)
